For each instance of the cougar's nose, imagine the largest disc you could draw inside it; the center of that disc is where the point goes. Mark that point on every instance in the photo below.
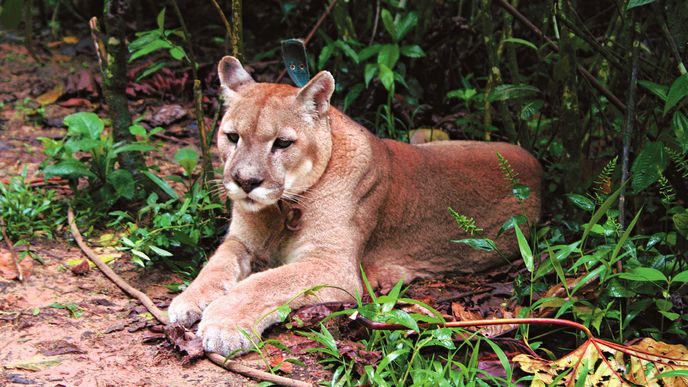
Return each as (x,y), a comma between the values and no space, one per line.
(247,185)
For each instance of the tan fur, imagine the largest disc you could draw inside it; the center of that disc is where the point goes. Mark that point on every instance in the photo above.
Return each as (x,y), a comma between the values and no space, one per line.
(362,200)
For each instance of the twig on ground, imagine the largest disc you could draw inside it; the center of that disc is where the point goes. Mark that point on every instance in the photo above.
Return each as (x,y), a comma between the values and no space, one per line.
(310,34)
(216,358)
(13,252)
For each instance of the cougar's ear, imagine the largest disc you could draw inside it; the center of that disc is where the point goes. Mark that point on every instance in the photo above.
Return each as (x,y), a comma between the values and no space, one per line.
(315,96)
(232,75)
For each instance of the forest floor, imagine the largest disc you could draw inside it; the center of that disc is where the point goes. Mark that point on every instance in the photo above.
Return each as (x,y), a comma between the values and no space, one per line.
(59,328)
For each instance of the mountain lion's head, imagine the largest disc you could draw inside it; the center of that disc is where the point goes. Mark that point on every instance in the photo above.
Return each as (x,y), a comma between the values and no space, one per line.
(274,139)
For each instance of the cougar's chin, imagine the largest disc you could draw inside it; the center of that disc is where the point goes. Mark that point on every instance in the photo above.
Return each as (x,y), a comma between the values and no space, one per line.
(257,199)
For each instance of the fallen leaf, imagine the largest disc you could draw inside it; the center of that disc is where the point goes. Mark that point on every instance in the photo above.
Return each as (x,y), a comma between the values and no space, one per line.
(51,95)
(8,270)
(58,347)
(77,102)
(81,268)
(69,39)
(425,135)
(36,363)
(284,366)
(599,362)
(177,335)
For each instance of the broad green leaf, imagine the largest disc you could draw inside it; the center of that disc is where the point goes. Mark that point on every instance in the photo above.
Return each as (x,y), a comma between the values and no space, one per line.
(400,317)
(386,76)
(369,51)
(138,130)
(123,183)
(531,108)
(680,124)
(412,51)
(69,168)
(524,247)
(133,148)
(521,42)
(478,244)
(161,19)
(388,55)
(347,50)
(161,184)
(325,55)
(520,191)
(369,73)
(648,166)
(85,124)
(405,24)
(159,251)
(283,312)
(638,3)
(582,202)
(151,47)
(511,222)
(177,53)
(644,274)
(352,95)
(656,89)
(678,90)
(463,94)
(388,22)
(187,158)
(509,91)
(681,223)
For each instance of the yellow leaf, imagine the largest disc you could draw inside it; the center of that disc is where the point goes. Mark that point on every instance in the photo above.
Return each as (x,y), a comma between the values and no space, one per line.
(70,39)
(36,363)
(425,135)
(51,95)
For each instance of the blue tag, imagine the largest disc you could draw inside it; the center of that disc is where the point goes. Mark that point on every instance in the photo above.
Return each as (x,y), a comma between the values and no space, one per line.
(294,56)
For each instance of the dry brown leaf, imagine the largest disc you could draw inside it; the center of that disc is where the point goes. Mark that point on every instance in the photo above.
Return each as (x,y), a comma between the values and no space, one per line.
(600,362)
(425,135)
(8,270)
(51,95)
(489,331)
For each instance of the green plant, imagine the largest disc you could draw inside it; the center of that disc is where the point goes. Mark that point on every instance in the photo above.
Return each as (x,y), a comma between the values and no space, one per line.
(29,211)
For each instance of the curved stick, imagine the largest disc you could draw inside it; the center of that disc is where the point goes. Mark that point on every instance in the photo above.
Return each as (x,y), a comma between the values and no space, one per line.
(159,315)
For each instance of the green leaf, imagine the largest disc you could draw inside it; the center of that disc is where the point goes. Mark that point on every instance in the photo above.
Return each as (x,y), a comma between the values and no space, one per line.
(478,244)
(369,51)
(405,24)
(400,317)
(11,14)
(644,274)
(524,247)
(187,158)
(369,73)
(678,90)
(656,89)
(509,91)
(521,42)
(680,124)
(388,55)
(412,51)
(347,50)
(531,108)
(283,312)
(161,252)
(352,95)
(386,76)
(138,130)
(69,168)
(673,374)
(85,124)
(520,191)
(161,184)
(177,53)
(582,202)
(325,55)
(132,148)
(681,223)
(638,3)
(151,47)
(648,166)
(463,94)
(161,19)
(511,222)
(389,24)
(123,183)
(624,237)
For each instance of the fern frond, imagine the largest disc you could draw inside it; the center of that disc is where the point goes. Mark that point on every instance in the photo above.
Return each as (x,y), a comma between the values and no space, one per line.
(508,172)
(679,160)
(603,184)
(465,223)
(666,190)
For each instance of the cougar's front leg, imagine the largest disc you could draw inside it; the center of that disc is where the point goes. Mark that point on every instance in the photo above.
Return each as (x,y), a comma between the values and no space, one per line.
(232,321)
(230,263)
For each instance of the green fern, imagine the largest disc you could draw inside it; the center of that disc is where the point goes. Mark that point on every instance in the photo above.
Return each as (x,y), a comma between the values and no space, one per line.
(508,172)
(679,160)
(666,190)
(602,185)
(466,223)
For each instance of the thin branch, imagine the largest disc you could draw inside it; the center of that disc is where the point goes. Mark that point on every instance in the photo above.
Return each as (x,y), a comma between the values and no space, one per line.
(585,73)
(310,34)
(670,38)
(159,315)
(13,252)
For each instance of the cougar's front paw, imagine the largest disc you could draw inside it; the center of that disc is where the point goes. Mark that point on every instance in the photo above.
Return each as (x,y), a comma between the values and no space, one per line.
(223,331)
(184,310)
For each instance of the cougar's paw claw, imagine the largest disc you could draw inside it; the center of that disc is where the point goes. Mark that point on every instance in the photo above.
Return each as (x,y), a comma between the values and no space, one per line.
(223,338)
(183,311)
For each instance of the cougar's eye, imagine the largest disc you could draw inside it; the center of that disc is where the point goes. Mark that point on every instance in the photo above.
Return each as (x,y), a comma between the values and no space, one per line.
(282,143)
(233,137)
